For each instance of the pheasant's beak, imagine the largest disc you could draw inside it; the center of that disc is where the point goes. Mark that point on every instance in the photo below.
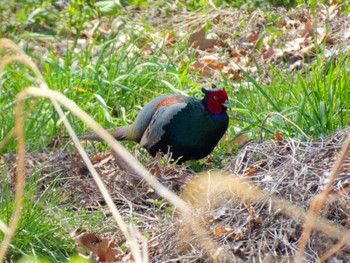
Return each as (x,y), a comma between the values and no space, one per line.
(226,104)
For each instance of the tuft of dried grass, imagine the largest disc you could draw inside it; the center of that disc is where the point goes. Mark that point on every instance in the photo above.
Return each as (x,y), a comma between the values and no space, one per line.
(260,215)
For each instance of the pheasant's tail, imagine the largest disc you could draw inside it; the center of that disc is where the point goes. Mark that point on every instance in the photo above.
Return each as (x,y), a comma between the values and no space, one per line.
(118,133)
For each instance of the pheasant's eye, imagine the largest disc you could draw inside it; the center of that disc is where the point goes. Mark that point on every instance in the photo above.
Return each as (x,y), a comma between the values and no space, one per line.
(215,98)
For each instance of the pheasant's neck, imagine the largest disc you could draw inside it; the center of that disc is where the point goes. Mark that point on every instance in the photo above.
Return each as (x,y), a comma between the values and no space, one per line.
(204,105)
(219,117)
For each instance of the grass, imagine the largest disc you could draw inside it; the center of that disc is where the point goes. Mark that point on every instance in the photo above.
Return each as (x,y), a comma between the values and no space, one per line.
(112,82)
(114,89)
(317,101)
(40,232)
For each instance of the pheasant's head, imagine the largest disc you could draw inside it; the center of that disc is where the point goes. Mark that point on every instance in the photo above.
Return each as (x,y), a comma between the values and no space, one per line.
(215,100)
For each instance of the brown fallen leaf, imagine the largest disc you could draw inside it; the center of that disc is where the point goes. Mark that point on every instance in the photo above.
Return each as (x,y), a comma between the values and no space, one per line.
(106,251)
(90,241)
(251,171)
(98,158)
(308,29)
(237,236)
(169,40)
(234,53)
(155,169)
(278,136)
(213,62)
(202,69)
(198,40)
(209,59)
(253,38)
(281,23)
(347,223)
(148,50)
(222,230)
(242,139)
(221,65)
(268,53)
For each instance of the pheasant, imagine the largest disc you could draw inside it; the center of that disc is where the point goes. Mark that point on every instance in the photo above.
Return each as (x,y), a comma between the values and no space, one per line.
(187,127)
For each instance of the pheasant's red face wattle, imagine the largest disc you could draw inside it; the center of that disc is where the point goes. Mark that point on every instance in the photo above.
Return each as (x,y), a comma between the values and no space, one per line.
(217,100)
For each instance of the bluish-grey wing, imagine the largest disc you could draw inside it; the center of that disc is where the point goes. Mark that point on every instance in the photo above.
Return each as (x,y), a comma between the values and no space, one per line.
(161,117)
(144,118)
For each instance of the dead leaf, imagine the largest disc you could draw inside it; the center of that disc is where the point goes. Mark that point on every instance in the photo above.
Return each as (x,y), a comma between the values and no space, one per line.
(347,223)
(213,62)
(234,53)
(103,249)
(90,240)
(221,65)
(252,217)
(210,159)
(267,178)
(212,50)
(169,40)
(236,236)
(98,158)
(253,38)
(209,59)
(258,220)
(294,45)
(198,40)
(222,230)
(308,29)
(155,169)
(251,171)
(203,70)
(107,251)
(241,140)
(296,65)
(281,23)
(346,33)
(122,40)
(278,136)
(148,50)
(268,53)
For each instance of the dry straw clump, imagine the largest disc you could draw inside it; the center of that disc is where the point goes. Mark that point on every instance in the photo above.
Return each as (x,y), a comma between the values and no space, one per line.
(259,216)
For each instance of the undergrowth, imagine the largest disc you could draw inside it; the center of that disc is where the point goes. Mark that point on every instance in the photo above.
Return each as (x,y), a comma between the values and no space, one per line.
(316,100)
(40,232)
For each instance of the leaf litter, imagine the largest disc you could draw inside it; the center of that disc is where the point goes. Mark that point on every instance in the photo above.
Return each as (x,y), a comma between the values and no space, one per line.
(234,40)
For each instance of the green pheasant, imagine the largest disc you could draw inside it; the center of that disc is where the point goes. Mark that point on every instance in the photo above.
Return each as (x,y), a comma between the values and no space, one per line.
(187,127)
